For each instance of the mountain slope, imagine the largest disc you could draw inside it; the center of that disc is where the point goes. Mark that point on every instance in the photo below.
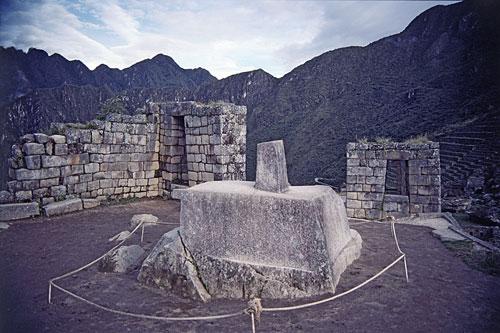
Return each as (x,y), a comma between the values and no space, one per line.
(440,72)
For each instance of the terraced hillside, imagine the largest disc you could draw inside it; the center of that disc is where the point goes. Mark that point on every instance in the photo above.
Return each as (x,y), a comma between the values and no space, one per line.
(472,149)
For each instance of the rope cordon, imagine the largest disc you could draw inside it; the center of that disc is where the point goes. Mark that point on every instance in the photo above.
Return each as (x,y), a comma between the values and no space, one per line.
(254,307)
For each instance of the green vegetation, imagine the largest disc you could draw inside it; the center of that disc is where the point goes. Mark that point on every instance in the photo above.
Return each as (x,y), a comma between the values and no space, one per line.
(112,105)
(475,257)
(380,140)
(423,138)
(383,140)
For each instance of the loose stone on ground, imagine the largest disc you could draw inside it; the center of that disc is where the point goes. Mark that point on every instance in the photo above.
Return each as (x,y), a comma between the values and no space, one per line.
(123,259)
(146,219)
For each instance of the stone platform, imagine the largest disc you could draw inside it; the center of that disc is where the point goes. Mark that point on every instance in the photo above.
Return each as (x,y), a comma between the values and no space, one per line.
(264,239)
(247,243)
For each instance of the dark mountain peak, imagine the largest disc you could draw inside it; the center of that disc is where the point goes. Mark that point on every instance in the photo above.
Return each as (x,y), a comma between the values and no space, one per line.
(162,58)
(9,49)
(248,74)
(262,71)
(80,65)
(34,52)
(259,72)
(102,67)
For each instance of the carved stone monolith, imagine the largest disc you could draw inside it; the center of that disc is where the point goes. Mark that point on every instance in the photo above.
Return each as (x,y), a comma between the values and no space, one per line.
(237,240)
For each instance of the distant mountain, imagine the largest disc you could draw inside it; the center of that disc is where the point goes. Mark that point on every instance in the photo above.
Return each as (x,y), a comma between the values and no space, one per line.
(22,73)
(439,74)
(37,89)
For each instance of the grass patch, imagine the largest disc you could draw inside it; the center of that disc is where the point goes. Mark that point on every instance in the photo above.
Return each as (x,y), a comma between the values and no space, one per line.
(418,139)
(383,140)
(475,257)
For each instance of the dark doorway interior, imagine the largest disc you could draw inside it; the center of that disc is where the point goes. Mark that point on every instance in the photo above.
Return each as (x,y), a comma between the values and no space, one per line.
(396,179)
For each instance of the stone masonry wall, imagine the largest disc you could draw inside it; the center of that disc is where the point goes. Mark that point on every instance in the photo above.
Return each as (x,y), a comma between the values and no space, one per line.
(366,176)
(115,158)
(127,156)
(201,142)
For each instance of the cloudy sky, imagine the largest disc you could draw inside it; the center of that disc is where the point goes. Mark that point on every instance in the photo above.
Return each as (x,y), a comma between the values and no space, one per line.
(225,37)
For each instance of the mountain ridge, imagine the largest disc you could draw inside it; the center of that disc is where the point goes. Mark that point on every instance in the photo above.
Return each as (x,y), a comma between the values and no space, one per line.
(440,71)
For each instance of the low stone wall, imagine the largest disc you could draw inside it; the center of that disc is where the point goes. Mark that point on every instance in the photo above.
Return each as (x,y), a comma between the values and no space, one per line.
(366,195)
(114,158)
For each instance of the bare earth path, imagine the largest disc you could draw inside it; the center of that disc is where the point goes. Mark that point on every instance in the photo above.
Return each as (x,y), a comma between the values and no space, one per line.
(444,295)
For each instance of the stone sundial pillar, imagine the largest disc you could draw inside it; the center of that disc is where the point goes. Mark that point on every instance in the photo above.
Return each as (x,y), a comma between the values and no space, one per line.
(271,172)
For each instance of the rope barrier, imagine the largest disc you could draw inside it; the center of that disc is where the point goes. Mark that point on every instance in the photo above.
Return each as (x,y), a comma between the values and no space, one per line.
(254,308)
(306,305)
(143,316)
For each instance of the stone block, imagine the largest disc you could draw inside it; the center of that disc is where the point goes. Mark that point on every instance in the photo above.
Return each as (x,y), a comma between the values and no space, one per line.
(60,149)
(352,162)
(375,180)
(24,195)
(58,191)
(58,139)
(40,193)
(398,155)
(53,161)
(41,138)
(105,183)
(271,172)
(17,211)
(25,174)
(6,197)
(93,185)
(32,162)
(63,207)
(30,184)
(353,203)
(49,148)
(352,195)
(31,148)
(27,138)
(359,213)
(390,206)
(373,214)
(91,167)
(359,171)
(71,180)
(122,259)
(83,158)
(97,136)
(302,247)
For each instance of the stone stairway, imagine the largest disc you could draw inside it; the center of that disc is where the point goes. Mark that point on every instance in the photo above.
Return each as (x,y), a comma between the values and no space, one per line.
(472,147)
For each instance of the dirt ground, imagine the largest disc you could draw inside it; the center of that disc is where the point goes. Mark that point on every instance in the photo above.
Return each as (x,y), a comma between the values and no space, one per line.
(444,294)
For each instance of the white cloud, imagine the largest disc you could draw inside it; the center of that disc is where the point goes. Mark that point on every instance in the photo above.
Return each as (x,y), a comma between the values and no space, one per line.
(225,37)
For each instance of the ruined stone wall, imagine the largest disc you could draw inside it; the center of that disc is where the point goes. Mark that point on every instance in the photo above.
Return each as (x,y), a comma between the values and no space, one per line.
(201,142)
(126,156)
(366,195)
(114,158)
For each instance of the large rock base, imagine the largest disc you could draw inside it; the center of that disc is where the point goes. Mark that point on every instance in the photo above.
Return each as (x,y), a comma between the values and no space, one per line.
(236,241)
(172,266)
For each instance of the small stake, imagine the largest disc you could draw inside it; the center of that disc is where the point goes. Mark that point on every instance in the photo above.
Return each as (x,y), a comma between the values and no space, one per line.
(406,269)
(142,233)
(50,292)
